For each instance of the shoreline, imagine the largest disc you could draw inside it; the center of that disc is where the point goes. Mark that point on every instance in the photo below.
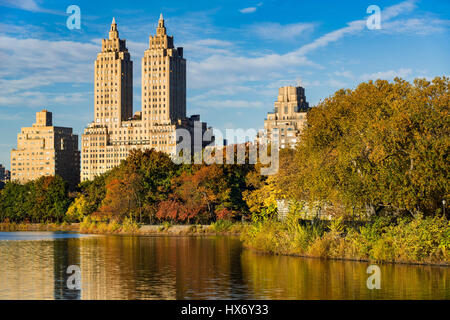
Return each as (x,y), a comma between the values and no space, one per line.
(343,259)
(189,230)
(144,230)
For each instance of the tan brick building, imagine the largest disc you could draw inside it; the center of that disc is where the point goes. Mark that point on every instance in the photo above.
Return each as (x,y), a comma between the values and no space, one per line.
(286,122)
(115,130)
(46,150)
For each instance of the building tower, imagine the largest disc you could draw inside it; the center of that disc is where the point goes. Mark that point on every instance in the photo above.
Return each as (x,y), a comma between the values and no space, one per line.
(289,117)
(113,97)
(163,79)
(46,150)
(115,131)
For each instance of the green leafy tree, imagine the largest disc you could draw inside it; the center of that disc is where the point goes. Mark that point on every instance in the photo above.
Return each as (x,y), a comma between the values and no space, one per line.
(380,146)
(50,199)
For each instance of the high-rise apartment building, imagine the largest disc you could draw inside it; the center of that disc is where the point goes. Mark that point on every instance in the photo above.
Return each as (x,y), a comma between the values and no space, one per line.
(163,79)
(287,120)
(115,130)
(45,150)
(113,81)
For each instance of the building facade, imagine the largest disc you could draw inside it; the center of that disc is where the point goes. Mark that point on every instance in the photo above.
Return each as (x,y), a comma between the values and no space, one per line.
(46,150)
(2,172)
(115,131)
(7,176)
(287,120)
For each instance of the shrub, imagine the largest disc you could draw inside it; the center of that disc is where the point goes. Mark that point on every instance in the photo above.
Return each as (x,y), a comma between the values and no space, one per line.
(419,240)
(222,226)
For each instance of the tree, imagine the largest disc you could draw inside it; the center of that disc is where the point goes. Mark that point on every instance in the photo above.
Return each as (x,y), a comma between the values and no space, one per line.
(50,199)
(16,202)
(94,191)
(201,192)
(380,146)
(78,209)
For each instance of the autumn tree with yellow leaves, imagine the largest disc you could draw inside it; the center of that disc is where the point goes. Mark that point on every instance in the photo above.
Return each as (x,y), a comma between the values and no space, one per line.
(381,146)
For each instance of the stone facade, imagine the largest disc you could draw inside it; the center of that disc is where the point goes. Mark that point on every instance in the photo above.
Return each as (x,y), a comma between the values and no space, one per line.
(287,120)
(46,150)
(116,131)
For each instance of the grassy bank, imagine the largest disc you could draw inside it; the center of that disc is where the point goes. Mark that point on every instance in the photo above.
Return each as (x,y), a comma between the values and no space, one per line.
(129,227)
(421,240)
(23,226)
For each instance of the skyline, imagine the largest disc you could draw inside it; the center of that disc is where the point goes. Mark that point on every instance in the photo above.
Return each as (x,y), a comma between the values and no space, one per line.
(237,56)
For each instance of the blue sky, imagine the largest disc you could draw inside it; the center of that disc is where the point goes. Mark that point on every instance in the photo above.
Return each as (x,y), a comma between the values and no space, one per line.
(238,53)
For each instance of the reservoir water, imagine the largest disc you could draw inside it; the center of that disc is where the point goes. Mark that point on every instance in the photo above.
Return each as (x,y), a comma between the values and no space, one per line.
(34,265)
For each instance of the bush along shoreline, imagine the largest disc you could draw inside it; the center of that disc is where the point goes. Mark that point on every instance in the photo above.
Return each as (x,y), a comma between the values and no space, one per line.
(129,227)
(384,239)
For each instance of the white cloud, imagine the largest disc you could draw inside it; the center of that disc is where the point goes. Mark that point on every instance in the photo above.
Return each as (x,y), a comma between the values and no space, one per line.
(187,27)
(228,103)
(356,26)
(336,83)
(248,10)
(345,74)
(38,99)
(212,64)
(10,117)
(39,63)
(198,49)
(276,31)
(387,75)
(218,70)
(28,5)
(234,68)
(251,9)
(398,9)
(136,50)
(323,41)
(230,68)
(418,26)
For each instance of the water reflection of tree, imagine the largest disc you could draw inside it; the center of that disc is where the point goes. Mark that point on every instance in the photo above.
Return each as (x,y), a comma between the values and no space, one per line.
(161,267)
(280,277)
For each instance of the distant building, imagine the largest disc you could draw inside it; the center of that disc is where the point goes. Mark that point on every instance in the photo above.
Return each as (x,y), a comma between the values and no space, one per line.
(2,172)
(46,150)
(7,177)
(287,120)
(4,176)
(115,131)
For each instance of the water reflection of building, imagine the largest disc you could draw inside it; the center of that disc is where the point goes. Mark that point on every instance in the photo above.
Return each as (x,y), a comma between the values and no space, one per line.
(121,268)
(160,268)
(65,253)
(26,270)
(197,268)
(206,269)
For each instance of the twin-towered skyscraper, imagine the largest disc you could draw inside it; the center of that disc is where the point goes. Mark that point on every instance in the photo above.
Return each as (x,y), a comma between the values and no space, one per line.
(115,130)
(46,150)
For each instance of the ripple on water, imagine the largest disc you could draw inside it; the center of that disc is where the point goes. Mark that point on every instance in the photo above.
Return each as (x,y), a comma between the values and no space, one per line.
(38,235)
